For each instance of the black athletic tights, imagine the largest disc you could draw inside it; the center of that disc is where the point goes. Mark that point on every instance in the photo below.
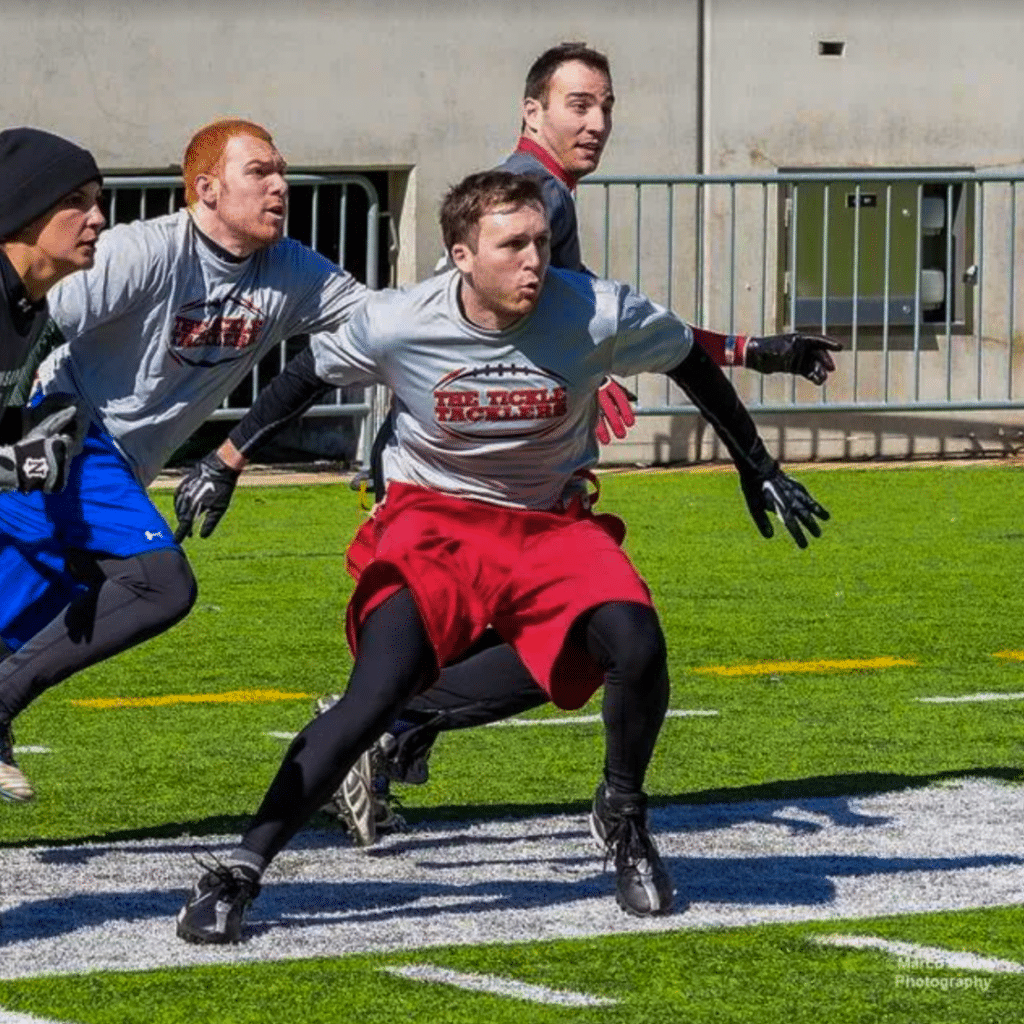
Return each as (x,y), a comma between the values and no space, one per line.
(129,600)
(396,660)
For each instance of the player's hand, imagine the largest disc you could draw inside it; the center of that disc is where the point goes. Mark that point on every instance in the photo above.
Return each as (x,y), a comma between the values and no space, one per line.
(40,460)
(205,489)
(785,497)
(614,409)
(806,355)
(46,417)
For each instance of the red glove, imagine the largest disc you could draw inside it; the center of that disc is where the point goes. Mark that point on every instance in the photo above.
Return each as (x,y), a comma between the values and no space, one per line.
(613,404)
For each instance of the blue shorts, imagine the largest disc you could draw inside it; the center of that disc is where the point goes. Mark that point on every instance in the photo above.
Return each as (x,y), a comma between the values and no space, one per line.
(103,509)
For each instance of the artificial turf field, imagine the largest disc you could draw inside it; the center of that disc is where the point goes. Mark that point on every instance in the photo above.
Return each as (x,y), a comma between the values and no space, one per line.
(807,669)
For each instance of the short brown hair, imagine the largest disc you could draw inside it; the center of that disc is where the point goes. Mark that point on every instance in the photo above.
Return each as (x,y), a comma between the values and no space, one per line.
(538,78)
(205,151)
(478,194)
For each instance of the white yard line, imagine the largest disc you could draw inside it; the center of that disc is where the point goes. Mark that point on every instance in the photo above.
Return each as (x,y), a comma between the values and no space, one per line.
(587,719)
(911,955)
(31,750)
(110,906)
(970,698)
(7,1017)
(497,986)
(567,720)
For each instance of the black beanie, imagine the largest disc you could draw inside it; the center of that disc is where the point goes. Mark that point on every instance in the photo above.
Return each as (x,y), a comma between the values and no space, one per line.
(37,169)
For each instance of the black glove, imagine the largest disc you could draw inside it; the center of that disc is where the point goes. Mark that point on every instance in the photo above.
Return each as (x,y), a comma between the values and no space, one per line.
(773,491)
(805,354)
(40,460)
(206,487)
(34,416)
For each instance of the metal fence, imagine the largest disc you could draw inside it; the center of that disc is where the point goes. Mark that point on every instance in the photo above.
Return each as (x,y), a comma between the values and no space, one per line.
(914,271)
(320,215)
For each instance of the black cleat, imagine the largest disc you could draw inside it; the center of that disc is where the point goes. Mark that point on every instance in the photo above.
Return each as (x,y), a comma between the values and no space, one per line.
(643,886)
(213,912)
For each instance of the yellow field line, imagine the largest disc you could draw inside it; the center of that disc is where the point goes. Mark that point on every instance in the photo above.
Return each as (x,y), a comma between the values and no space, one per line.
(760,668)
(228,697)
(1010,655)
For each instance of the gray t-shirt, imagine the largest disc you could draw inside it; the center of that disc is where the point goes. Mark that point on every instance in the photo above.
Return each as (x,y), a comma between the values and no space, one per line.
(163,327)
(507,416)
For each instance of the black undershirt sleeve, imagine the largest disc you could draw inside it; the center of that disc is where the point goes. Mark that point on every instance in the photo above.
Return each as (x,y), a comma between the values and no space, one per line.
(711,392)
(287,396)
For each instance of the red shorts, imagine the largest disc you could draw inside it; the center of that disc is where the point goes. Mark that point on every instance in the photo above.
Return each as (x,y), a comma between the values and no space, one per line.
(470,565)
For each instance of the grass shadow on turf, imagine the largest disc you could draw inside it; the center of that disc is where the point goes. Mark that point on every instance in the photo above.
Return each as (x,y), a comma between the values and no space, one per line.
(814,787)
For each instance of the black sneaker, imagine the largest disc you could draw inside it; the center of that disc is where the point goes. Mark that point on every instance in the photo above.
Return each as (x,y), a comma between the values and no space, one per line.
(643,886)
(14,785)
(408,752)
(214,910)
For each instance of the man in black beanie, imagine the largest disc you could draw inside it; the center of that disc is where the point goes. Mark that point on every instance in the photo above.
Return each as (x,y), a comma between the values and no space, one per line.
(50,219)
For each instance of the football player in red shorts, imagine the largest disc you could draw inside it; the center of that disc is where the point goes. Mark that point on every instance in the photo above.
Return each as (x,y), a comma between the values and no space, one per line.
(567,107)
(487,521)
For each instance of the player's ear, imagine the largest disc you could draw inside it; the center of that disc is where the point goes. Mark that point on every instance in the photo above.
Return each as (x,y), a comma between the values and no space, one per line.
(207,188)
(532,110)
(462,257)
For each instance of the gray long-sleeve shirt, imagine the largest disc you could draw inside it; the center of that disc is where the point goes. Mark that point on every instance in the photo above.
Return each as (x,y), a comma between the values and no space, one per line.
(164,326)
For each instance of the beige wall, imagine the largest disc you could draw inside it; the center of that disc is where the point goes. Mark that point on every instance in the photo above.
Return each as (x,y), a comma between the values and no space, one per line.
(343,85)
(922,82)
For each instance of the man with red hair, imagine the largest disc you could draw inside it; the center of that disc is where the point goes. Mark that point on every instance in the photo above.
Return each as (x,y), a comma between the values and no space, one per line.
(174,314)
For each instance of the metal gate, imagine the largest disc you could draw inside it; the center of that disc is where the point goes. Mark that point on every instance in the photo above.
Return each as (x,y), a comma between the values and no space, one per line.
(915,271)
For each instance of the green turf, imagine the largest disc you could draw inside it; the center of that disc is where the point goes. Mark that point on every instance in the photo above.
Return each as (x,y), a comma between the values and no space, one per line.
(769,973)
(920,564)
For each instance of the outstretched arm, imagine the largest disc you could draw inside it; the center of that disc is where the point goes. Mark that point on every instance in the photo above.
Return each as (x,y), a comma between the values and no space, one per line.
(207,488)
(804,355)
(765,486)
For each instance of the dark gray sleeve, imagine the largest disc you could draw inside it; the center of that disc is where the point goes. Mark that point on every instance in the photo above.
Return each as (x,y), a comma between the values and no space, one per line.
(710,391)
(565,241)
(287,396)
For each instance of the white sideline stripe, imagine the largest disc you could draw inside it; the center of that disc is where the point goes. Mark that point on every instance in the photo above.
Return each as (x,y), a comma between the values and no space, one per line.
(580,719)
(569,720)
(497,986)
(6,1017)
(930,956)
(30,750)
(968,698)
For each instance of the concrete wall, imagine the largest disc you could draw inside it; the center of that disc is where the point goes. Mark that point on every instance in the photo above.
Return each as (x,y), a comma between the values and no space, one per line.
(430,91)
(343,84)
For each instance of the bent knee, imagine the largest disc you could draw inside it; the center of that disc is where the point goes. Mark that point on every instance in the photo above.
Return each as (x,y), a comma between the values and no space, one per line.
(632,640)
(164,579)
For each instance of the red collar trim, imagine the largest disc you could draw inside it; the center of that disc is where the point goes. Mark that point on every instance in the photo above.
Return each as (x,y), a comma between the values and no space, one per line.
(529,146)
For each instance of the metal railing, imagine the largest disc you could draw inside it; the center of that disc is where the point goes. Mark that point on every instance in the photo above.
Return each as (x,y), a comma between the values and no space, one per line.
(915,271)
(313,219)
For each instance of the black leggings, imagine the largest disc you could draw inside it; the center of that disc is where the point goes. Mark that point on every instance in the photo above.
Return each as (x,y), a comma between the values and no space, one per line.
(491,683)
(129,600)
(396,659)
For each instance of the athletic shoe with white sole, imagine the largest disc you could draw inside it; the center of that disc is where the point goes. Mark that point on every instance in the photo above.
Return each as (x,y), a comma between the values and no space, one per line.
(214,911)
(14,785)
(353,801)
(364,803)
(642,886)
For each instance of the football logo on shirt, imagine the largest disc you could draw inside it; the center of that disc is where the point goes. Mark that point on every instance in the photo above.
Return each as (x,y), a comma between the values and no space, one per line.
(499,400)
(213,331)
